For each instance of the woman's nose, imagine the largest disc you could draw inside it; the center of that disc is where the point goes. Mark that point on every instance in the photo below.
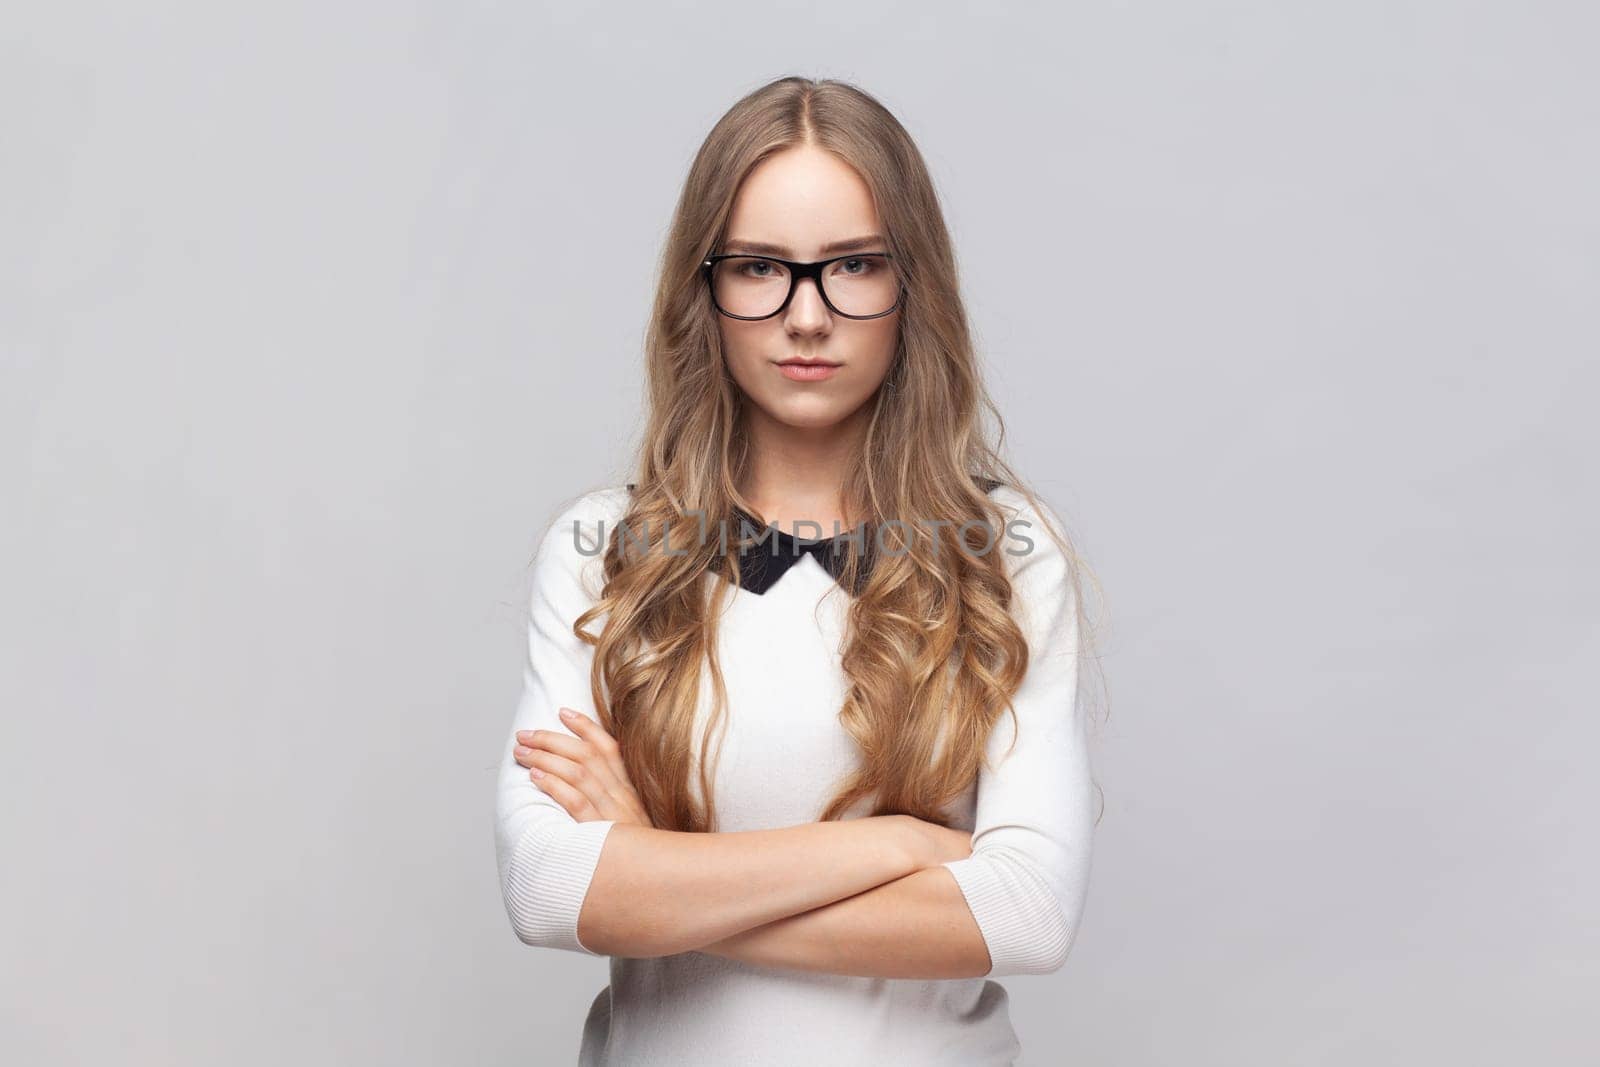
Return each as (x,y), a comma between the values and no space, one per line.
(807,304)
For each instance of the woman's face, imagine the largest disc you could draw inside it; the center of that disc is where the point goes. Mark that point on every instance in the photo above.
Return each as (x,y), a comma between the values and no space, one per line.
(797,205)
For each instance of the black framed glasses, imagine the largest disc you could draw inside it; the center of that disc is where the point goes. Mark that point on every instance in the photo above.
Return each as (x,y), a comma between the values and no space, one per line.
(861,285)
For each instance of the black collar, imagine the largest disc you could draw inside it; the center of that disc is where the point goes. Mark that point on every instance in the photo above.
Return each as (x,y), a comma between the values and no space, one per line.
(771,551)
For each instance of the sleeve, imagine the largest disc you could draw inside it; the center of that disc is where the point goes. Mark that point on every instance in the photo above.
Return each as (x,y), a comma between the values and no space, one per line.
(1027,878)
(547,858)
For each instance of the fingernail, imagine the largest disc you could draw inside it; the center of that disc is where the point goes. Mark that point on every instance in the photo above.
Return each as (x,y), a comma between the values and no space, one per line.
(524,735)
(523,751)
(567,713)
(537,773)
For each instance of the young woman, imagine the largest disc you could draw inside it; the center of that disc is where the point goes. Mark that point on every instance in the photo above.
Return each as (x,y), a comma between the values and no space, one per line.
(806,792)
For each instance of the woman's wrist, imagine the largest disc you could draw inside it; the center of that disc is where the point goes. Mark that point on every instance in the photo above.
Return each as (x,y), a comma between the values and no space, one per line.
(915,843)
(928,844)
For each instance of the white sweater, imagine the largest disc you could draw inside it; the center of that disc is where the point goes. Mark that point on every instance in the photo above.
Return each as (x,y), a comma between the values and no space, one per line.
(785,751)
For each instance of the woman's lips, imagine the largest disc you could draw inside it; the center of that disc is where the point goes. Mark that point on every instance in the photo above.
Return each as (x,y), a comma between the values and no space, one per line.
(808,372)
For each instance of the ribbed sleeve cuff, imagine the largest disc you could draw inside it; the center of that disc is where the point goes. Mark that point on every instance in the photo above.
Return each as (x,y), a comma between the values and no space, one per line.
(547,879)
(1019,917)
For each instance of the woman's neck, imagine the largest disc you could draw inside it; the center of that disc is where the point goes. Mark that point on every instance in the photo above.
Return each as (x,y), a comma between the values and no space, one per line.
(796,473)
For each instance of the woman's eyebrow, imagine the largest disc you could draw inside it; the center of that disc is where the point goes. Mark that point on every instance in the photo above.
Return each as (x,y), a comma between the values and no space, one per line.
(762,248)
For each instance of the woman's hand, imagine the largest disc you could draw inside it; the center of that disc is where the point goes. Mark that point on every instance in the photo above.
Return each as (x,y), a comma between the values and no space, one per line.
(584,774)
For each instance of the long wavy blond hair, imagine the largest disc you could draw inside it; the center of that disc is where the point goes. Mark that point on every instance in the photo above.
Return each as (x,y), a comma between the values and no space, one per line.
(932,654)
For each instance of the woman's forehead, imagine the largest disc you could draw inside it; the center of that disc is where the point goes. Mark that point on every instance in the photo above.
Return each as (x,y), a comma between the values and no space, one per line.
(805,202)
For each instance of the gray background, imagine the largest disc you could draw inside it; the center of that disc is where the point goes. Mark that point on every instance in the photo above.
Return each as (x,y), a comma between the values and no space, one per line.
(313,313)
